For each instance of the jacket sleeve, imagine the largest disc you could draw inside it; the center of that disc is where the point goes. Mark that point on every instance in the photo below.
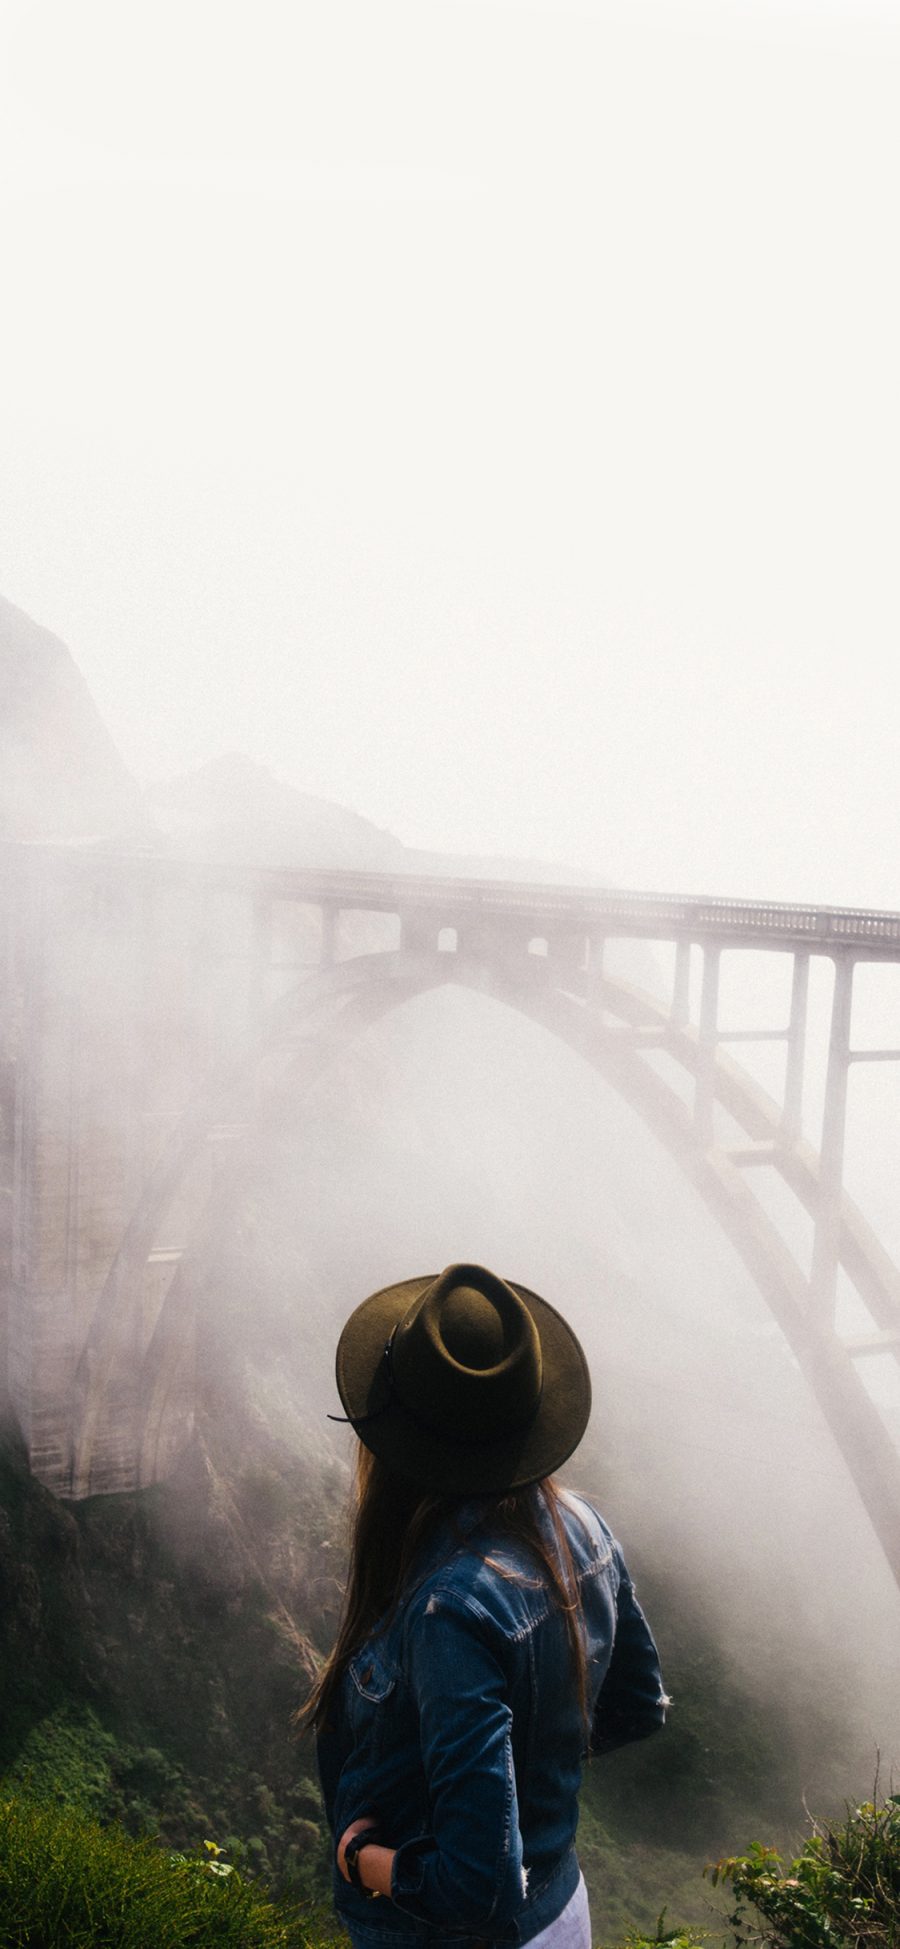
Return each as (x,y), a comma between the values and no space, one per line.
(631,1703)
(467,1872)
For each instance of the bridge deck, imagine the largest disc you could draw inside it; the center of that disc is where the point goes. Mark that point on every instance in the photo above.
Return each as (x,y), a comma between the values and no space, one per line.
(771,923)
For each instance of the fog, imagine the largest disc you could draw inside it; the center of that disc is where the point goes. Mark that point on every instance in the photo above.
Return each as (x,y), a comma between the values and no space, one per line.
(484,418)
(483,415)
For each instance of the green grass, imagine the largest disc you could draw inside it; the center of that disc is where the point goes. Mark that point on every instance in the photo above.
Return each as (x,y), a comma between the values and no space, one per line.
(68,1883)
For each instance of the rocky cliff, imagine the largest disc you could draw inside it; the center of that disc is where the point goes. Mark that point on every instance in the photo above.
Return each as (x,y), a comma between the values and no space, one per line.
(61,776)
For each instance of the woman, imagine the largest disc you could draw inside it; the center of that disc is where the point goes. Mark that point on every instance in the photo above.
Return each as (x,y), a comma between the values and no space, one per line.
(490,1634)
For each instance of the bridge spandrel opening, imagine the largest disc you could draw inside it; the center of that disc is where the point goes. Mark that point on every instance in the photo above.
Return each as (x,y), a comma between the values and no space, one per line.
(881,1379)
(755,991)
(641,963)
(870,1162)
(793,1222)
(367,931)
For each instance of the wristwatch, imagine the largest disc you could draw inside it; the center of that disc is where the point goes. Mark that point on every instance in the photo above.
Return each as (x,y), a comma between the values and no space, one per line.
(364,1838)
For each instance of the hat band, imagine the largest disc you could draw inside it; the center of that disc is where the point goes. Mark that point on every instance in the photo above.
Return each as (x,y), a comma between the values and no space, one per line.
(395,1399)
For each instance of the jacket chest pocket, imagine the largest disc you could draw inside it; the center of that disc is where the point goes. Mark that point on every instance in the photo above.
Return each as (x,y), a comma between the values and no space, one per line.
(371,1693)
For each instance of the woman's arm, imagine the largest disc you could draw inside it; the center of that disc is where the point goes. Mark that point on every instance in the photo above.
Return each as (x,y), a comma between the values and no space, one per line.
(466,1873)
(631,1703)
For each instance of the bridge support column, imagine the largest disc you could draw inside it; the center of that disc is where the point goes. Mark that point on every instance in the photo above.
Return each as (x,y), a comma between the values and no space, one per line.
(569,953)
(47,1182)
(593,980)
(261,950)
(418,935)
(704,1093)
(43,1255)
(792,1115)
(681,991)
(826,1242)
(328,952)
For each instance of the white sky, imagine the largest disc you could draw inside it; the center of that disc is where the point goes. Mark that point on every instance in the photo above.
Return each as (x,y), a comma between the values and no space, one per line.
(485,414)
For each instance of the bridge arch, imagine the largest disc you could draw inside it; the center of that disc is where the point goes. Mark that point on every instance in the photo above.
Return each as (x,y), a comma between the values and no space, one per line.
(613,1027)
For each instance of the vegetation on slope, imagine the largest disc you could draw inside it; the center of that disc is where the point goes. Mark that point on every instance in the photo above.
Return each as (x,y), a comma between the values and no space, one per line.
(149,1666)
(842,1891)
(67,1880)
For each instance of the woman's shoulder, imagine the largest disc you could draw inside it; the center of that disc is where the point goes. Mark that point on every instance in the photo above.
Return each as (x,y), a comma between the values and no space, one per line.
(597,1558)
(487,1573)
(584,1523)
(491,1588)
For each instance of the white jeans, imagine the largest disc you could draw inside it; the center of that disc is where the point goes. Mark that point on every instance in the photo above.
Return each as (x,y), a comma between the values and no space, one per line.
(572,1929)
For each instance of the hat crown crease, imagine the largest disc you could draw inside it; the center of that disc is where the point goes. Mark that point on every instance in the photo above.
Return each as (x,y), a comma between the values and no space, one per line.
(466,1355)
(472,1332)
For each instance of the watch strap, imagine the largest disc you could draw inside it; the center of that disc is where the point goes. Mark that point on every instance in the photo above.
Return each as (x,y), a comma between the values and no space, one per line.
(364,1838)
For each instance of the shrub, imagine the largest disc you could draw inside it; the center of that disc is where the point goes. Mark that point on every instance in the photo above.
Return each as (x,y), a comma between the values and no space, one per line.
(662,1938)
(841,1892)
(64,1880)
(66,1756)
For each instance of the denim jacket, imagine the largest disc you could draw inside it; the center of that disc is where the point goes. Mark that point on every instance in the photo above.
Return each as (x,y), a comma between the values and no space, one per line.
(458,1727)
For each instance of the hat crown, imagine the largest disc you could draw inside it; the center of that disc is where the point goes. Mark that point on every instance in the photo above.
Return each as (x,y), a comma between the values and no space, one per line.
(472,1329)
(466,1356)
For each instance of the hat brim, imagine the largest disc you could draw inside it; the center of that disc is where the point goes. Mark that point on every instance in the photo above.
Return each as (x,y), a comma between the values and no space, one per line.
(439,1463)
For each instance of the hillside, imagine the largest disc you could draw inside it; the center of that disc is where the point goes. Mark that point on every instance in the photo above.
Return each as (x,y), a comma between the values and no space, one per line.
(61,776)
(234,808)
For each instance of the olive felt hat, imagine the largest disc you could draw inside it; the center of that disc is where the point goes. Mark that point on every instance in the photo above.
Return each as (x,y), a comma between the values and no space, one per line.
(463,1381)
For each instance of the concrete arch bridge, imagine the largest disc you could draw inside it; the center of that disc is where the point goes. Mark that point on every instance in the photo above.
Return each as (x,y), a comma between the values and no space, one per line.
(153,1013)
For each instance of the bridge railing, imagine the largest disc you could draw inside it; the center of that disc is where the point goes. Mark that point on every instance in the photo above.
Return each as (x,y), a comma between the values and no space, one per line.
(613,909)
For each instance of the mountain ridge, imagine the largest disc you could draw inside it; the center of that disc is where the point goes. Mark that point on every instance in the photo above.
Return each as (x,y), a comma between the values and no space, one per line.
(62,778)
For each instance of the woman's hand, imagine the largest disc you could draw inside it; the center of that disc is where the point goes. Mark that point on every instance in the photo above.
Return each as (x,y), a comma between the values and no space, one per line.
(379,1860)
(355,1827)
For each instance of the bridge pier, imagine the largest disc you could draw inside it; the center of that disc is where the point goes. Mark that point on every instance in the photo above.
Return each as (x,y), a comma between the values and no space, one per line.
(792,1113)
(419,932)
(330,919)
(594,974)
(705,1088)
(681,989)
(78,1161)
(826,1239)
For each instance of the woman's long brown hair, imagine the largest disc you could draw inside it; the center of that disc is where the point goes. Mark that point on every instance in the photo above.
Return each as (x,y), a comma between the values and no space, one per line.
(391,1523)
